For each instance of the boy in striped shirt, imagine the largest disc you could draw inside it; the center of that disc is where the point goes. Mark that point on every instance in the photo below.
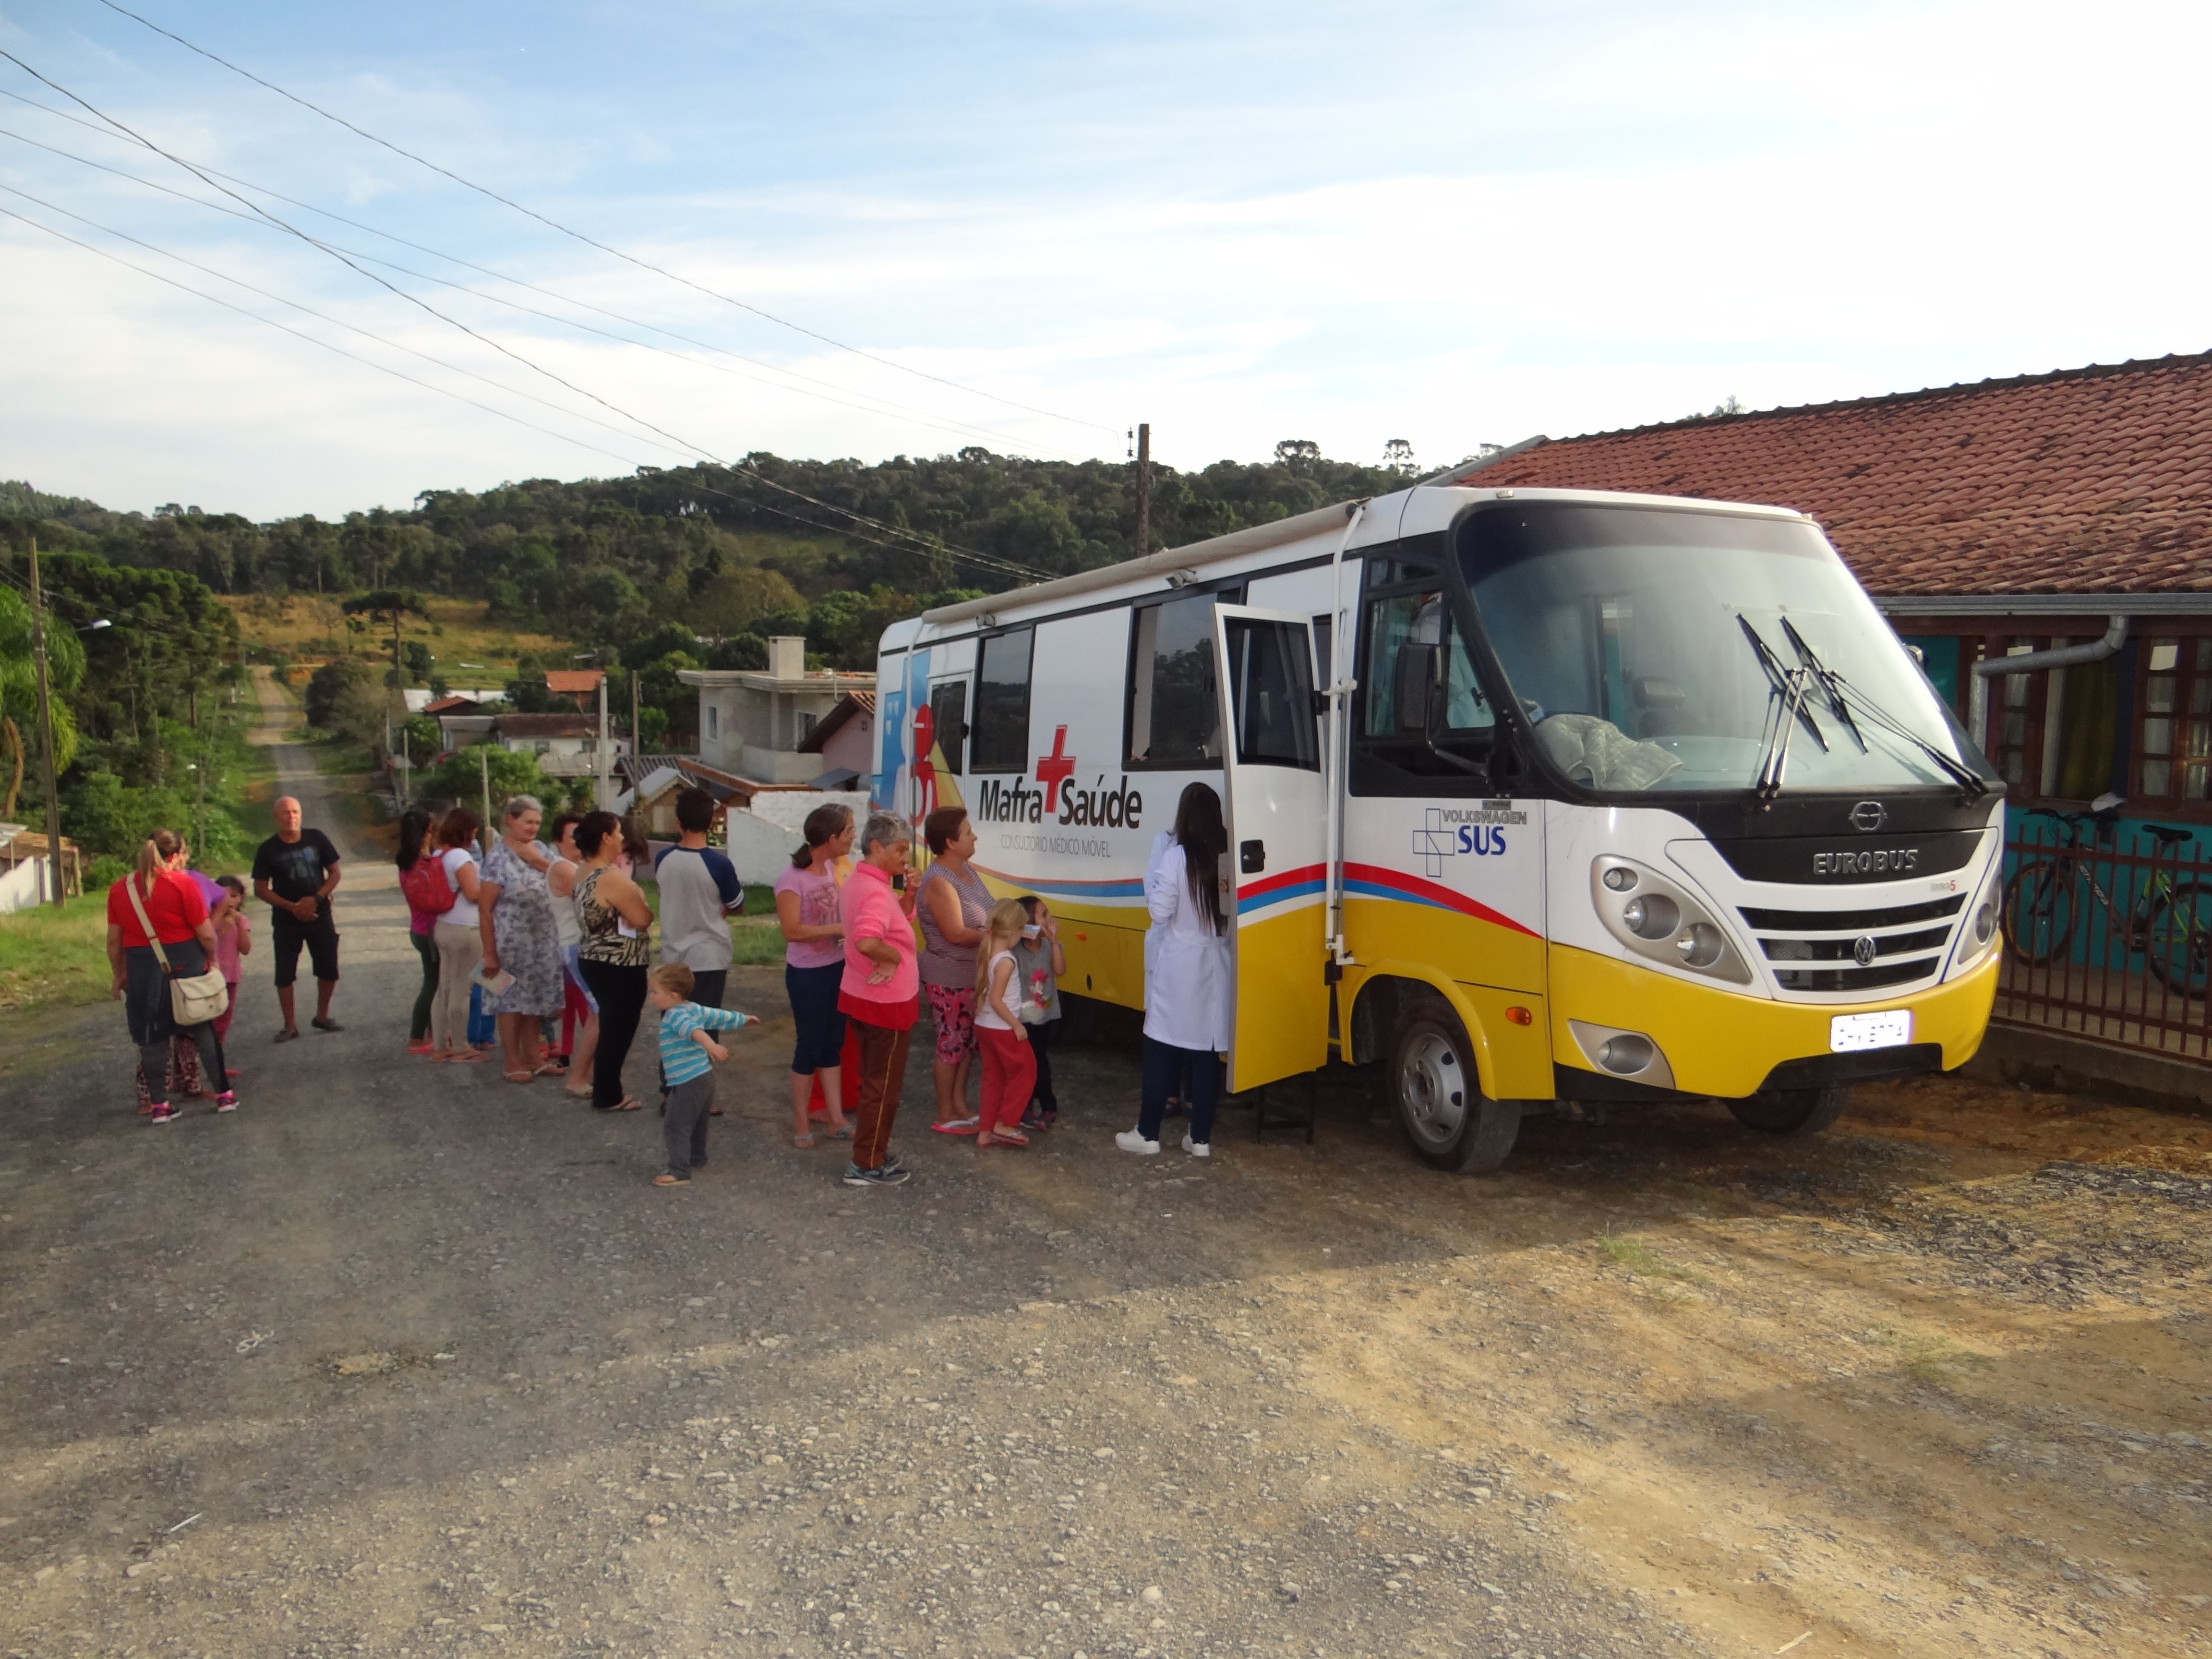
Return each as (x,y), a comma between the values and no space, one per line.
(688,1049)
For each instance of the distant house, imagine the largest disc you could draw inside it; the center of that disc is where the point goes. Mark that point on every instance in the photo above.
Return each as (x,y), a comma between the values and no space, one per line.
(566,745)
(752,722)
(845,739)
(1995,522)
(578,683)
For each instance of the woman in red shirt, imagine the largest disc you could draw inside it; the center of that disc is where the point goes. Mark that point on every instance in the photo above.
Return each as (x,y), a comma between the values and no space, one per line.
(172,904)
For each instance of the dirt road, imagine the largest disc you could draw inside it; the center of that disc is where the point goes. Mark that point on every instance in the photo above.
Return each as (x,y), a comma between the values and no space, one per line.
(408,1361)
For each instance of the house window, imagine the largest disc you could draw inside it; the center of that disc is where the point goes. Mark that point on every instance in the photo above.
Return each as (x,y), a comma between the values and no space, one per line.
(2173,732)
(1002,703)
(542,746)
(711,723)
(1174,708)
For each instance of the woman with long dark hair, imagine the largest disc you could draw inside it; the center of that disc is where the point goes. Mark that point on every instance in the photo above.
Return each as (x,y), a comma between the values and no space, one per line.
(422,925)
(1187,993)
(814,964)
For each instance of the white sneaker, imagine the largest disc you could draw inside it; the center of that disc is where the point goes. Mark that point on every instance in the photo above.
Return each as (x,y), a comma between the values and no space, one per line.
(1129,1141)
(1198,1148)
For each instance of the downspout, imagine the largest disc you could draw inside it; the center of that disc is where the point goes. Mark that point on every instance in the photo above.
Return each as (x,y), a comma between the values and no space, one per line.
(1340,687)
(2034,662)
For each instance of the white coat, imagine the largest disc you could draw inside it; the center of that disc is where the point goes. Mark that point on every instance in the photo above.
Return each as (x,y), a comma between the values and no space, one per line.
(1188,987)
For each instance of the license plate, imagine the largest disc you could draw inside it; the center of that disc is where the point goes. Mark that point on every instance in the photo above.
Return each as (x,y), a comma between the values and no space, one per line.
(1890,1029)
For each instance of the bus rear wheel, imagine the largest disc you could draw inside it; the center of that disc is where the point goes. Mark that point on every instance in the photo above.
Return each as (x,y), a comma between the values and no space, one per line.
(1790,1111)
(1450,1123)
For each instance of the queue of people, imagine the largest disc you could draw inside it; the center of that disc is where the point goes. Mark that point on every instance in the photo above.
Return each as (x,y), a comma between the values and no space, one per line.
(549,923)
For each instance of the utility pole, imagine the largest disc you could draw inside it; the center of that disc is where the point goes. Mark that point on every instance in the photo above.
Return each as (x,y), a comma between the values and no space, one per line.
(46,738)
(1144,488)
(637,743)
(606,787)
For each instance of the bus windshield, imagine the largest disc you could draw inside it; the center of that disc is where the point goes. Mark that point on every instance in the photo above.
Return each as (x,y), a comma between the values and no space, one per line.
(1657,650)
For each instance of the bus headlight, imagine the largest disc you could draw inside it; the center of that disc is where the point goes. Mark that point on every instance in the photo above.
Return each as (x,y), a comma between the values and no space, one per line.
(1979,927)
(1661,920)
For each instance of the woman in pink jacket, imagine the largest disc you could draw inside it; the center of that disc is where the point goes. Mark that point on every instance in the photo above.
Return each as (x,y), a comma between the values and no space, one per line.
(881,993)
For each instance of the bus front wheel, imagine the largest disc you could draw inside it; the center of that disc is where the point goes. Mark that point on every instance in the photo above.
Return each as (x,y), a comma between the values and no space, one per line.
(1790,1111)
(1450,1123)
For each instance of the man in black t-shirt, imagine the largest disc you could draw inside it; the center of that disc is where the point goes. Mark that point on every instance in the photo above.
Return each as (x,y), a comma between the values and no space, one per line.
(294,872)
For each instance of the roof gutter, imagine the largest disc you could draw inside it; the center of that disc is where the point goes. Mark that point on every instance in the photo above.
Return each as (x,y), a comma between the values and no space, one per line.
(2036,662)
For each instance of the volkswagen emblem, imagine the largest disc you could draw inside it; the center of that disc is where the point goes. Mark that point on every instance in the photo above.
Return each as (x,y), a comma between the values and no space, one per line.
(1863,948)
(1869,815)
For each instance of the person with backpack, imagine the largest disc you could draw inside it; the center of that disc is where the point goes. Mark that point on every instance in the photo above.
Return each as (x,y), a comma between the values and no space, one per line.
(459,942)
(422,883)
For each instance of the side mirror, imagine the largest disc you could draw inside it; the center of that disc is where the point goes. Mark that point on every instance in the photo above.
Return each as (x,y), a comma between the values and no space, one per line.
(1419,686)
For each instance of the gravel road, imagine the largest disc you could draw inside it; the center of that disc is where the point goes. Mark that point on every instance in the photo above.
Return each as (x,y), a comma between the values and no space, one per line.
(410,1361)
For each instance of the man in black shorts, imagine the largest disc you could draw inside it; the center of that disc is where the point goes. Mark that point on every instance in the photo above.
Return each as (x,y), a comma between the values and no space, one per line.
(294,872)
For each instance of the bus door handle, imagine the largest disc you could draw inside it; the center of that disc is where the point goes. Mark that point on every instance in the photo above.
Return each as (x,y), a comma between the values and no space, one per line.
(1252,856)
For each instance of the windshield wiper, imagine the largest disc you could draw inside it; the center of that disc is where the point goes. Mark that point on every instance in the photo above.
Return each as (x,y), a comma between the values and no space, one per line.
(1791,707)
(1841,693)
(1828,680)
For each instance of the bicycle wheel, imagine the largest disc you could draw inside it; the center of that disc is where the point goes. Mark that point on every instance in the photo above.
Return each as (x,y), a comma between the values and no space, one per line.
(2179,940)
(2039,912)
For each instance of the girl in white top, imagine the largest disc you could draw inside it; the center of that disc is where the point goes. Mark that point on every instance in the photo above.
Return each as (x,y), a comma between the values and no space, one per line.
(1009,1068)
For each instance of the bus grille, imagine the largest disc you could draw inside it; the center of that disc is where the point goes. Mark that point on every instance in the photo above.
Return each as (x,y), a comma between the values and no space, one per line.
(1817,950)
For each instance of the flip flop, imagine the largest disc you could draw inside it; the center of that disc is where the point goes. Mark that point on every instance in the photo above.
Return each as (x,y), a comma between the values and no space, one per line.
(1004,1138)
(464,1057)
(802,1141)
(842,1132)
(518,1077)
(958,1126)
(628,1104)
(584,1093)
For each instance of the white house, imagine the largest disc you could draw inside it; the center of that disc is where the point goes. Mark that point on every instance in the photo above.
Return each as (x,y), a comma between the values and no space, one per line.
(751,722)
(566,745)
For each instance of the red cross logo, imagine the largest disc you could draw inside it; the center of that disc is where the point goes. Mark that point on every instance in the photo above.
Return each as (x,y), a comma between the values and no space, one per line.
(1056,768)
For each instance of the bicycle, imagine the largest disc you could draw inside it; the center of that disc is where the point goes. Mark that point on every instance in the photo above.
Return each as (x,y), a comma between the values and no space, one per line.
(2171,924)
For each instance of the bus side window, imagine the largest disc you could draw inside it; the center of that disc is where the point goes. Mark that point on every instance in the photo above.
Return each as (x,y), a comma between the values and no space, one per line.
(1174,714)
(948,710)
(1461,722)
(1002,703)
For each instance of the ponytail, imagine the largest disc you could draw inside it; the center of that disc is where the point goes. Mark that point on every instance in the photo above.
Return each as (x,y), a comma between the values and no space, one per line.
(824,824)
(160,847)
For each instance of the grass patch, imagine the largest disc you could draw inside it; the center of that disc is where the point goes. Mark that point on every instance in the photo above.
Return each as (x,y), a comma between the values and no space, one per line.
(1634,1256)
(310,626)
(52,958)
(1934,1360)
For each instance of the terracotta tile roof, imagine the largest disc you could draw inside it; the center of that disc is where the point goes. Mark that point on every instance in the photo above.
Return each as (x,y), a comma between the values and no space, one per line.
(852,703)
(570,681)
(2090,480)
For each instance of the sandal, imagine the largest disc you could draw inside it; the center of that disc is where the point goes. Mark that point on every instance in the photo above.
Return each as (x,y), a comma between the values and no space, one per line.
(575,1093)
(629,1104)
(842,1132)
(518,1077)
(958,1126)
(464,1057)
(1003,1138)
(802,1141)
(549,1069)
(665,1179)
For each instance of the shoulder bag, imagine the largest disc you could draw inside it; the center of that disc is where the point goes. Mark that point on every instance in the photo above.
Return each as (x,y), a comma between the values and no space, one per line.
(194,1001)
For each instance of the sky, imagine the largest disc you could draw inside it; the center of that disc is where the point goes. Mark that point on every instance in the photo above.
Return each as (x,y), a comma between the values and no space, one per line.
(884,228)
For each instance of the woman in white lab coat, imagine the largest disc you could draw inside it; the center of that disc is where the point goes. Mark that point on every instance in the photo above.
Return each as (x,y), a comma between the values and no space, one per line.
(1187,984)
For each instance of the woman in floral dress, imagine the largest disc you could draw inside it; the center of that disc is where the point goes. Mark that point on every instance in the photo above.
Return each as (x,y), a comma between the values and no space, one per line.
(519,937)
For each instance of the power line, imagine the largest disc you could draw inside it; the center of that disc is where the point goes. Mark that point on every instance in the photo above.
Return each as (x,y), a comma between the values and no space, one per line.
(679,443)
(874,404)
(382,369)
(591,242)
(389,287)
(927,548)
(337,322)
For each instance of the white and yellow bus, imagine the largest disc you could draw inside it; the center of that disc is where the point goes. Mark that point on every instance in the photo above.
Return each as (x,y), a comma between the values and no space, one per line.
(1546,801)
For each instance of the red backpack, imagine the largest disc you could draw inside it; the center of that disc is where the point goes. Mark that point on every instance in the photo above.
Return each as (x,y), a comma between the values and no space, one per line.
(424,884)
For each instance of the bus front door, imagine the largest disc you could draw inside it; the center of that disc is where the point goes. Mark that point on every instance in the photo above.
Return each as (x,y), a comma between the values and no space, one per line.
(1271,760)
